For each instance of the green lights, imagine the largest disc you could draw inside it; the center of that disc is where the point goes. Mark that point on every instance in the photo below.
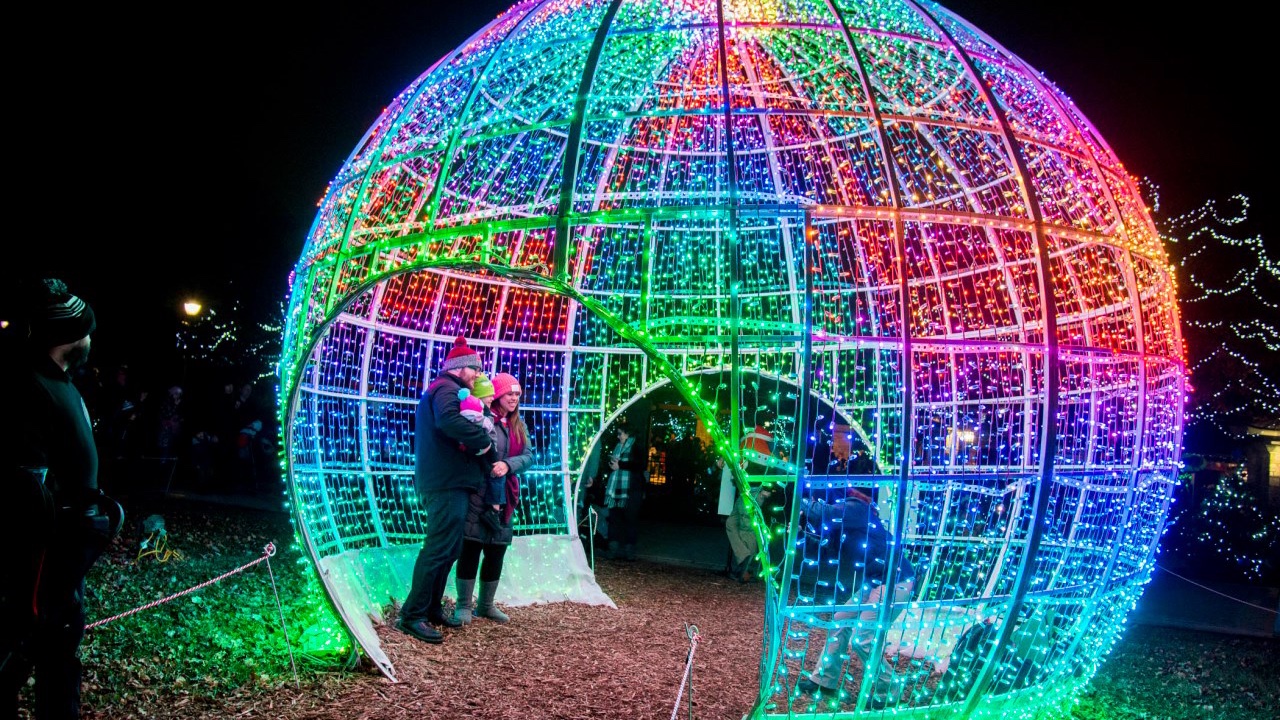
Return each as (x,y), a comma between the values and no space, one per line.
(851,227)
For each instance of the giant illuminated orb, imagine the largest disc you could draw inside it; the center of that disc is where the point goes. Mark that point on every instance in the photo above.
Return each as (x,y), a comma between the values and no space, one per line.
(866,218)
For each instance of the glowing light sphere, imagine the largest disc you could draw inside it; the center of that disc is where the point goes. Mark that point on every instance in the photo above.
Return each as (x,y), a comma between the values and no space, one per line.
(866,222)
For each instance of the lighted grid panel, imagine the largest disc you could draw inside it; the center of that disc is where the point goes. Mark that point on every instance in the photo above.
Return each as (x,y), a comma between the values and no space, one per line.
(866,222)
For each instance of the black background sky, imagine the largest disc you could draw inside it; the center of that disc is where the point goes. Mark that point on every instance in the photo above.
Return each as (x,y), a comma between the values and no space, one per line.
(161,153)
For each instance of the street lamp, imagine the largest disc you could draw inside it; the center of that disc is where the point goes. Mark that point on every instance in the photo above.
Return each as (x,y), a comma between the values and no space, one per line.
(188,332)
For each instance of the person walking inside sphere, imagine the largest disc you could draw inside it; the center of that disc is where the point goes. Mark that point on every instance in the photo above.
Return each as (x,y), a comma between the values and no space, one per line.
(59,521)
(624,492)
(481,538)
(738,525)
(448,471)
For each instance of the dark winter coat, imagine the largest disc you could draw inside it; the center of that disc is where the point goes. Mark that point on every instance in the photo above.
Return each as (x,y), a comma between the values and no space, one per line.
(47,425)
(475,530)
(844,550)
(53,531)
(446,444)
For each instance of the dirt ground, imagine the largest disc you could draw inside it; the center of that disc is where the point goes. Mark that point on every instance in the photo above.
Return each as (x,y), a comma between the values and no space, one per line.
(559,660)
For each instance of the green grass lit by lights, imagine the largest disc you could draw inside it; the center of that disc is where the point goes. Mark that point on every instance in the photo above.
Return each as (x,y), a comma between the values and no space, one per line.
(223,638)
(1164,673)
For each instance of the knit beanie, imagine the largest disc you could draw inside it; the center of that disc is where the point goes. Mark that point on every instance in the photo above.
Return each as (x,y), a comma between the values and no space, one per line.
(56,316)
(482,388)
(462,356)
(471,407)
(504,383)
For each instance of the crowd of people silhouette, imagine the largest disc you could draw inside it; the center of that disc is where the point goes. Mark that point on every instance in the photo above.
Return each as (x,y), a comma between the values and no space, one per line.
(217,437)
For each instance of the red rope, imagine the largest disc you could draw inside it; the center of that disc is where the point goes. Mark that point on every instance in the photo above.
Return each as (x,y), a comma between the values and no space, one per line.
(267,552)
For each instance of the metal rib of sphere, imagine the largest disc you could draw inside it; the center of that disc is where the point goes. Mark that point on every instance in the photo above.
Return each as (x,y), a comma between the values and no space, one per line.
(865,221)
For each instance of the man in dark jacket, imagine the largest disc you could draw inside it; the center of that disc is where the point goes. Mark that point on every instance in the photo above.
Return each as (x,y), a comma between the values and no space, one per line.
(448,470)
(58,523)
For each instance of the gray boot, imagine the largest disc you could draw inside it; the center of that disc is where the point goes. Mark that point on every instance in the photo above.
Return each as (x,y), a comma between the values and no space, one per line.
(485,608)
(462,610)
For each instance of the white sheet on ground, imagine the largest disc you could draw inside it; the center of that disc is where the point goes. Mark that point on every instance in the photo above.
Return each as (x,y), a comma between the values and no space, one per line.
(537,569)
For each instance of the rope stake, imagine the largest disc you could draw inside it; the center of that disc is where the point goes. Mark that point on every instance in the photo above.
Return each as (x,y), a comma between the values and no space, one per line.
(271,550)
(692,632)
(593,521)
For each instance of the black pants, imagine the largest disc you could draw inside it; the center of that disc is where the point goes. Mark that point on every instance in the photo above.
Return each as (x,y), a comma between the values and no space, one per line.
(624,523)
(469,562)
(47,644)
(446,513)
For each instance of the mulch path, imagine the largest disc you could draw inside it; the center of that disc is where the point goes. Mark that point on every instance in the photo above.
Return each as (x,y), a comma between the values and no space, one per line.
(561,660)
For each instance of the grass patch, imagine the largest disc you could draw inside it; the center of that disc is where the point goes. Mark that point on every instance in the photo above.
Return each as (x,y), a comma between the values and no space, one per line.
(1159,673)
(223,638)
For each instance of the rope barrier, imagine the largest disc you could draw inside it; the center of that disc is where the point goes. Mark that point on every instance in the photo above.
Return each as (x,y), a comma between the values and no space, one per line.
(694,637)
(1215,592)
(267,552)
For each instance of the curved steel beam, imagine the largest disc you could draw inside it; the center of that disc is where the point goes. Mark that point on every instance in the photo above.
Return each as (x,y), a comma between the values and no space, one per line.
(569,166)
(1048,424)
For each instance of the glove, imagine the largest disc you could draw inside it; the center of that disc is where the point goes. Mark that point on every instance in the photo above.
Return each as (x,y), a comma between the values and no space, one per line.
(490,520)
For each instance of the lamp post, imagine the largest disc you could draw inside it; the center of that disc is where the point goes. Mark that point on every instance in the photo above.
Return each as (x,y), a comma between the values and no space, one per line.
(188,332)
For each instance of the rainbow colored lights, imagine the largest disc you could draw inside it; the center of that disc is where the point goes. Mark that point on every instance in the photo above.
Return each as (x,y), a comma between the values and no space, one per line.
(865,224)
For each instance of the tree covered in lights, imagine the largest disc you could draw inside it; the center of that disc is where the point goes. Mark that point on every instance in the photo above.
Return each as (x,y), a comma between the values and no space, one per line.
(1224,528)
(231,340)
(1230,295)
(865,221)
(1225,532)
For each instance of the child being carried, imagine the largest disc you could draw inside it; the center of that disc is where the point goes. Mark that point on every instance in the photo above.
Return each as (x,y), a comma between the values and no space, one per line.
(474,406)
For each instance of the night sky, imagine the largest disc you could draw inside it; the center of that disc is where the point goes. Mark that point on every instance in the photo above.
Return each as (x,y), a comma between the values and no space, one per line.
(155,156)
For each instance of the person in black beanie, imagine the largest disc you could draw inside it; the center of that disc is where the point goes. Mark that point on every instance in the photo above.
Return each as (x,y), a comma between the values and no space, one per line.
(58,521)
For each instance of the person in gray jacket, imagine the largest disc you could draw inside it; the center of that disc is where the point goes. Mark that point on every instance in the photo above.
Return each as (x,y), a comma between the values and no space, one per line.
(448,471)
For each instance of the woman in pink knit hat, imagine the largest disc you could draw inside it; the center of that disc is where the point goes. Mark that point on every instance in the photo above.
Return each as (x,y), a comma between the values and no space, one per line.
(511,438)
